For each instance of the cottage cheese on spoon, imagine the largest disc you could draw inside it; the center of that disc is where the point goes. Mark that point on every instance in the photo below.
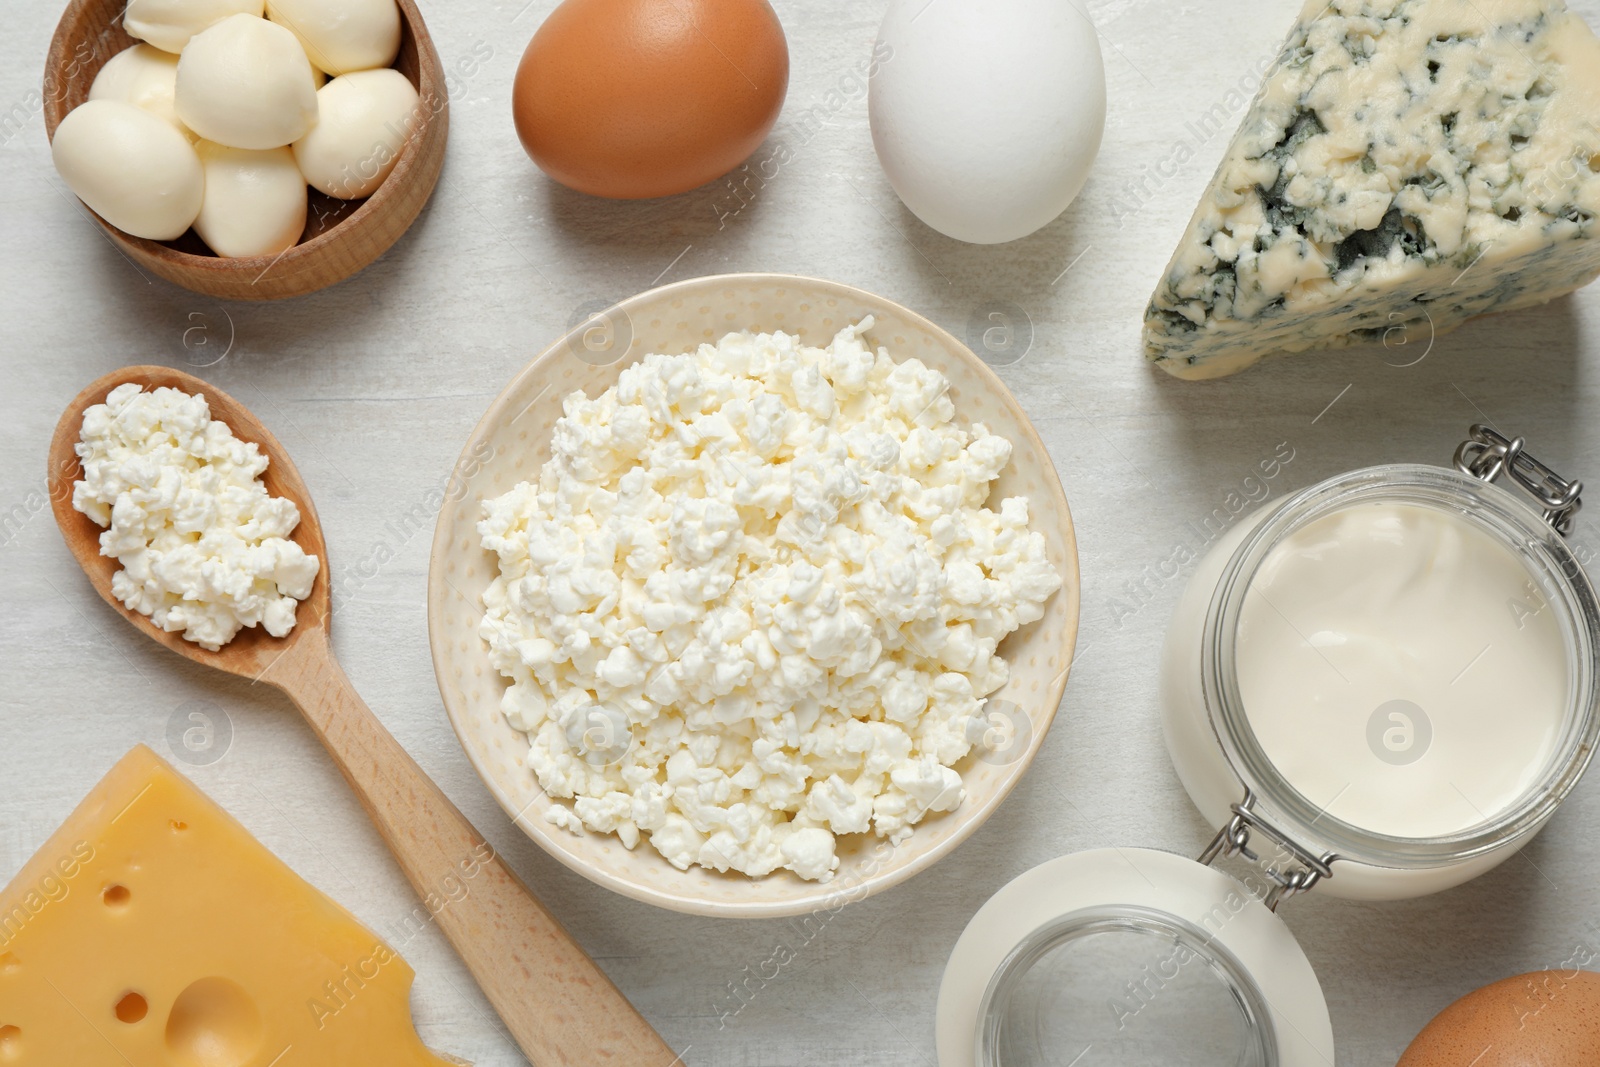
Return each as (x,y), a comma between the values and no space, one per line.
(204,548)
(753,600)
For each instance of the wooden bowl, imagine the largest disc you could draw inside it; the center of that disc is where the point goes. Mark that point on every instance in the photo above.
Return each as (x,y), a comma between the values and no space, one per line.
(511,444)
(341,236)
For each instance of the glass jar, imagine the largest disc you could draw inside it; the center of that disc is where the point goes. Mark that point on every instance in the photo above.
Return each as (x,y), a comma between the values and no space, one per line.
(1236,783)
(1131,956)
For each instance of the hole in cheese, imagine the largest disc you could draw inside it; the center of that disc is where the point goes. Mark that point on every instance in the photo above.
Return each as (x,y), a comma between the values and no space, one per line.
(214,1023)
(10,1043)
(131,1008)
(116,896)
(212,904)
(178,826)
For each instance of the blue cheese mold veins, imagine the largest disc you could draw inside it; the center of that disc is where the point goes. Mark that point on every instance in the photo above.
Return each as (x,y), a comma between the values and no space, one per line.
(1406,164)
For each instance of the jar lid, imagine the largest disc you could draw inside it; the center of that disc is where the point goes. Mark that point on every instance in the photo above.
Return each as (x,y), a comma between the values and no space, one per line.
(1127,957)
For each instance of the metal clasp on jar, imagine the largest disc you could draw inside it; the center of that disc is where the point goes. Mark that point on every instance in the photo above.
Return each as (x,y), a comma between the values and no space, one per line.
(1487,454)
(1298,876)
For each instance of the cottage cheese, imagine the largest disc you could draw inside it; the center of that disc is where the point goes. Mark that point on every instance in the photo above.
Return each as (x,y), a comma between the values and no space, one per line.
(753,601)
(204,549)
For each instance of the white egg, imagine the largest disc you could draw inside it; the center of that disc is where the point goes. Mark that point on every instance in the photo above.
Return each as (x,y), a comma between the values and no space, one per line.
(135,170)
(255,202)
(168,24)
(142,75)
(363,122)
(987,114)
(246,83)
(342,35)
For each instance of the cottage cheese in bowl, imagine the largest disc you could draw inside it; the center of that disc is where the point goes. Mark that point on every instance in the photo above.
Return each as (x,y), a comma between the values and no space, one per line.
(752,601)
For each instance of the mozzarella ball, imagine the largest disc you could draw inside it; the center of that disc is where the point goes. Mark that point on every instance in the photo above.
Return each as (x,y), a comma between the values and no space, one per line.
(168,24)
(135,170)
(342,35)
(255,203)
(142,75)
(246,83)
(363,121)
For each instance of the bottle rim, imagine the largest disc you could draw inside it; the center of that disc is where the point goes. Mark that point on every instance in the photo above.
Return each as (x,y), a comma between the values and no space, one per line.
(1513,525)
(1209,952)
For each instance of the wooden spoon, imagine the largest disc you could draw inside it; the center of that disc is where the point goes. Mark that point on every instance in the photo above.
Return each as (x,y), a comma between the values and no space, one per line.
(559,1006)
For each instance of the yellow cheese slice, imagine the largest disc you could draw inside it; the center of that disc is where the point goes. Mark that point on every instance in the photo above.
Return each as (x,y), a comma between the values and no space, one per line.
(153,931)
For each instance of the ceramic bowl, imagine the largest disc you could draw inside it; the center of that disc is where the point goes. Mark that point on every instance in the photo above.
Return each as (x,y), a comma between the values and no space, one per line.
(511,444)
(341,236)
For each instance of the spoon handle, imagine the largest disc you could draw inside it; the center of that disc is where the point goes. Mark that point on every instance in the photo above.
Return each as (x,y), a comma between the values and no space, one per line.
(560,1007)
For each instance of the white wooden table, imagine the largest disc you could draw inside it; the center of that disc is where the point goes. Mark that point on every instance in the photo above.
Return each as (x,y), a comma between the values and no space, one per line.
(374,385)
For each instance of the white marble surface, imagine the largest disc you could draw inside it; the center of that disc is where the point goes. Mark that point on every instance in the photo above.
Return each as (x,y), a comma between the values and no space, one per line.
(373,386)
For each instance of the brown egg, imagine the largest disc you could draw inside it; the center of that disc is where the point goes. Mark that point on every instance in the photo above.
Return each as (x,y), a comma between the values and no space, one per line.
(1543,1019)
(642,98)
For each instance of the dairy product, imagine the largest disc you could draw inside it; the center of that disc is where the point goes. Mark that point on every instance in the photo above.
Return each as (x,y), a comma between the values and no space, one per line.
(246,83)
(1407,165)
(342,35)
(363,122)
(1402,669)
(255,202)
(238,90)
(753,601)
(151,928)
(169,24)
(134,169)
(142,75)
(204,548)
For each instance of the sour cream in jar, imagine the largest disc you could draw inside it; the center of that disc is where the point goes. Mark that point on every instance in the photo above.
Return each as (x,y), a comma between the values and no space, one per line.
(1402,669)
(1394,670)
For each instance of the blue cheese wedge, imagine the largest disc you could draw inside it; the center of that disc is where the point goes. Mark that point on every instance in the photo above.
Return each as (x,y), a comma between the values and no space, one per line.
(1407,164)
